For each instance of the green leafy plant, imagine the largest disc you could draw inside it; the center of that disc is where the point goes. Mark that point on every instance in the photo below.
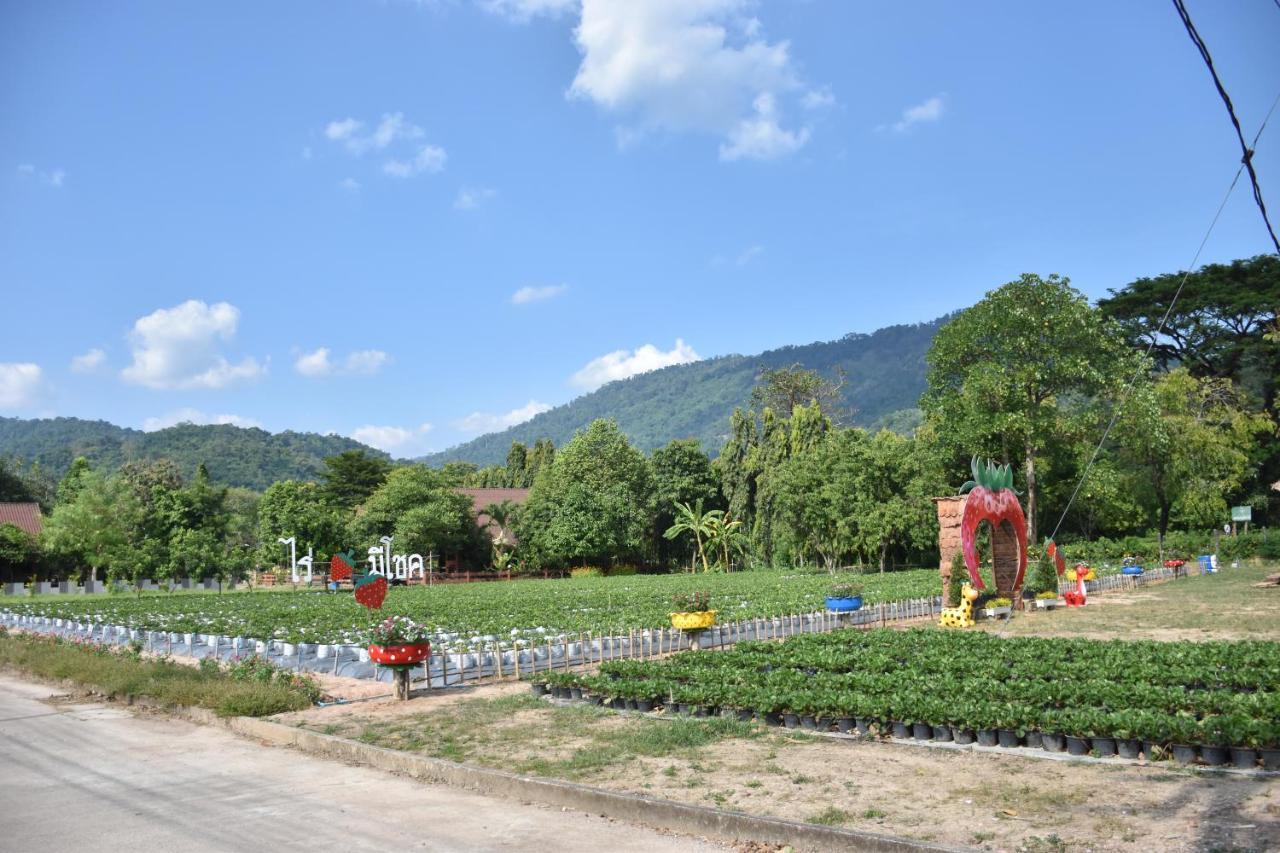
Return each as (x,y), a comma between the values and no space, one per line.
(692,602)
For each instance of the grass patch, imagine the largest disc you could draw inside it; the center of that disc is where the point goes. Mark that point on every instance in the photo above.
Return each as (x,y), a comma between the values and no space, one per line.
(251,690)
(831,816)
(520,733)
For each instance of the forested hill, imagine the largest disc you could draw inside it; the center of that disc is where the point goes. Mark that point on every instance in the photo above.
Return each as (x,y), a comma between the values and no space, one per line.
(885,374)
(235,456)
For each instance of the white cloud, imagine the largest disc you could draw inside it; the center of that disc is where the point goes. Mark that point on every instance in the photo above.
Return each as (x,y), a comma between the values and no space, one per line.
(365,361)
(179,348)
(351,185)
(472,199)
(430,158)
(760,137)
(316,364)
(929,111)
(54,178)
(529,293)
(818,99)
(345,129)
(688,65)
(89,362)
(623,363)
(195,416)
(522,10)
(390,438)
(21,385)
(478,422)
(749,254)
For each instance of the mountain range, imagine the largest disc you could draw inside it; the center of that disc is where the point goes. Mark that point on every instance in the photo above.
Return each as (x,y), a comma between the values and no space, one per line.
(884,375)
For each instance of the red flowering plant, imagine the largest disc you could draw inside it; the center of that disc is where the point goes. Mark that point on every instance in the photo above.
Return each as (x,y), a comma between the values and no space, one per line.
(398,631)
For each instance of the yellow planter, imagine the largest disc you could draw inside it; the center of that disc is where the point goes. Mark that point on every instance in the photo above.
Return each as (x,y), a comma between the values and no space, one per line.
(698,620)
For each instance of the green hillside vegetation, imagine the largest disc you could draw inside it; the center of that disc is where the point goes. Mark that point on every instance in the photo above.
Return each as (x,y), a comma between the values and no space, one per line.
(884,377)
(252,458)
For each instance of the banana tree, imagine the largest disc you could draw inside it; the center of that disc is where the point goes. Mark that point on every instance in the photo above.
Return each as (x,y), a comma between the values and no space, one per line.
(692,520)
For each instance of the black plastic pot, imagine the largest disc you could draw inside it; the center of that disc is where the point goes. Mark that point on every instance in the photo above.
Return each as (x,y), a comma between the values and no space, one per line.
(701,711)
(1244,757)
(963,737)
(942,733)
(631,704)
(922,731)
(1077,745)
(1184,754)
(790,720)
(987,737)
(744,715)
(1052,742)
(900,730)
(560,692)
(770,718)
(1104,746)
(1128,747)
(863,725)
(1007,738)
(1214,756)
(575,692)
(808,721)
(1154,751)
(645,705)
(538,688)
(1031,740)
(619,704)
(684,708)
(843,724)
(1270,758)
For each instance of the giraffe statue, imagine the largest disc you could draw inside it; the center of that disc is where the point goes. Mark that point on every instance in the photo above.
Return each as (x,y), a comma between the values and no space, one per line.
(962,616)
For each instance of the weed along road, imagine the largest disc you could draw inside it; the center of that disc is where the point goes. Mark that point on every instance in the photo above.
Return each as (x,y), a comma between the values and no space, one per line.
(97,777)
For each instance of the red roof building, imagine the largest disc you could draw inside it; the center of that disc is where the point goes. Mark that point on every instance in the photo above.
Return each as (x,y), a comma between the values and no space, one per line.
(26,516)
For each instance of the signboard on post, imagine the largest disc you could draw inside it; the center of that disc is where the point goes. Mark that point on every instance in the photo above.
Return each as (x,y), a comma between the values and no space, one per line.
(1242,513)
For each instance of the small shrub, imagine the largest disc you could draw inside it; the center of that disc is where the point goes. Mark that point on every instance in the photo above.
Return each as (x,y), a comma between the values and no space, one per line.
(959,575)
(586,572)
(692,602)
(846,590)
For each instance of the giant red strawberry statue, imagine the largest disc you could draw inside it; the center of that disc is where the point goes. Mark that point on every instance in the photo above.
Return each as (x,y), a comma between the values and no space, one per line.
(993,500)
(371,590)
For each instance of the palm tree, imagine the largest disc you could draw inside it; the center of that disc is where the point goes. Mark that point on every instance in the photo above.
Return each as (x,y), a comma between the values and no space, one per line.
(500,514)
(691,520)
(725,536)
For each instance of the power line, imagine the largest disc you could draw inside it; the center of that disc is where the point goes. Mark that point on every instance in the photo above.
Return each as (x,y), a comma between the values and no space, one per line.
(1245,150)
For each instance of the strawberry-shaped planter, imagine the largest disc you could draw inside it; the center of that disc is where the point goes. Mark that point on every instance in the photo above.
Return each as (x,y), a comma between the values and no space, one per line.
(993,500)
(406,655)
(371,590)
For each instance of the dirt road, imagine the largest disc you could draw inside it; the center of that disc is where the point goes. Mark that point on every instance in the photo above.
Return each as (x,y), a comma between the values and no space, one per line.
(97,777)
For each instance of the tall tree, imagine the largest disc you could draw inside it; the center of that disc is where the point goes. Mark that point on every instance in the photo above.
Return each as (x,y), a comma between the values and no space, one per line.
(1000,372)
(351,476)
(783,389)
(95,528)
(517,467)
(682,473)
(1218,325)
(293,509)
(418,506)
(595,501)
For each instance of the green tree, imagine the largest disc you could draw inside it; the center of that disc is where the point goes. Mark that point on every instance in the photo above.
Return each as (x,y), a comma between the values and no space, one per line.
(1194,443)
(418,506)
(290,508)
(69,486)
(18,551)
(784,389)
(518,467)
(1002,370)
(682,473)
(892,483)
(1217,326)
(736,466)
(95,528)
(595,501)
(351,476)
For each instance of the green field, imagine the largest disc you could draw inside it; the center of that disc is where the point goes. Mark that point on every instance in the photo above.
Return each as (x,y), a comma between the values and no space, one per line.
(509,610)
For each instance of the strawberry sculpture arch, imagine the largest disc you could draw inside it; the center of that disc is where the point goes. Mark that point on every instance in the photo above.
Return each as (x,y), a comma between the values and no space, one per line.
(993,500)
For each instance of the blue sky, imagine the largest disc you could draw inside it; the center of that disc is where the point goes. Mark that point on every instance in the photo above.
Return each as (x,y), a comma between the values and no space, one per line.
(415,222)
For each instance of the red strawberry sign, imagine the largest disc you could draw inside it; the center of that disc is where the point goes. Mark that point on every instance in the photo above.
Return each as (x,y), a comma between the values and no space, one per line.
(371,590)
(342,566)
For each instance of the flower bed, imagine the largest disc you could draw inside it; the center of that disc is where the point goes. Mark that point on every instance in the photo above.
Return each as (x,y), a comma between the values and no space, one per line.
(1210,695)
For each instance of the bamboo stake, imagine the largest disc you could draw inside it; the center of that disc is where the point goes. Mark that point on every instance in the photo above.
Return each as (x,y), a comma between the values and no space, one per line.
(517,650)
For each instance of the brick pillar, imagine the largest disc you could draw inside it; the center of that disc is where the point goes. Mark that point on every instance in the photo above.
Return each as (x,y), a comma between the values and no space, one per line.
(950,511)
(1004,558)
